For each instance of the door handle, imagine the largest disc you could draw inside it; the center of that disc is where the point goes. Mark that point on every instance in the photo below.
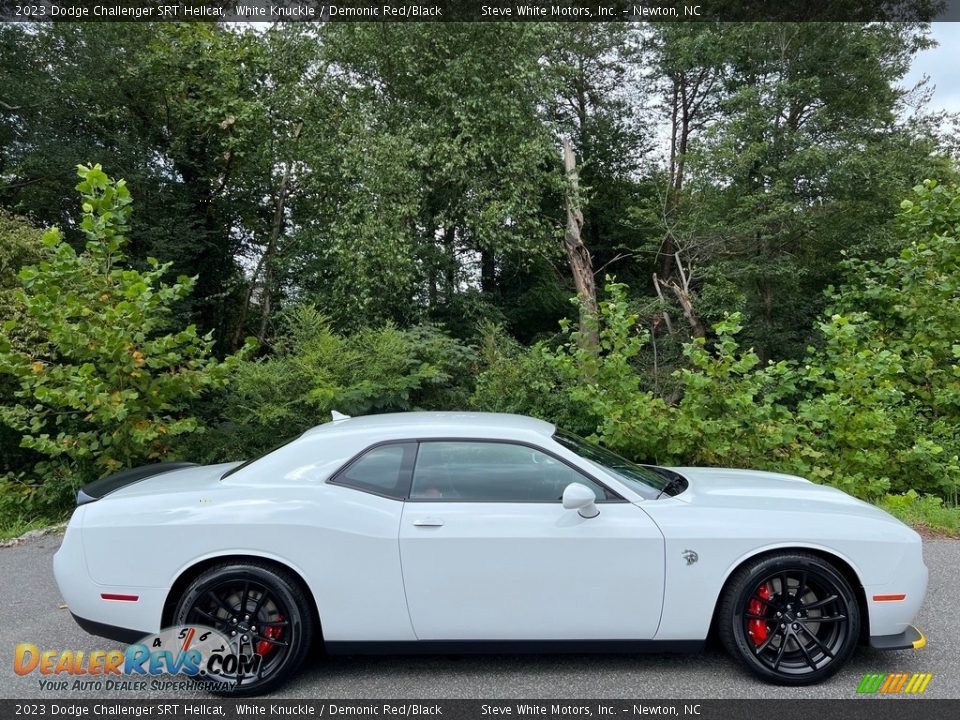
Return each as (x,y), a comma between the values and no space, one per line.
(428,522)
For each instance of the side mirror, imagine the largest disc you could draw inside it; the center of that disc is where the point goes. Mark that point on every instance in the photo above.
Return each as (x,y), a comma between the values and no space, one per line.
(579,497)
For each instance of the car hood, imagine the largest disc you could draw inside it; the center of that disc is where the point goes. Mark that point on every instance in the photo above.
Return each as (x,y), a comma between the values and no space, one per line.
(754,489)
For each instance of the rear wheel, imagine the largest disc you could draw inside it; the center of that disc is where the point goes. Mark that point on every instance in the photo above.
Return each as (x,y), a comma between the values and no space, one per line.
(263,611)
(792,619)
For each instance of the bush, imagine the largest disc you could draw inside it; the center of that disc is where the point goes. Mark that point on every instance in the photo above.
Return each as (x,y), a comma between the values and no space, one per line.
(20,244)
(314,370)
(105,383)
(926,510)
(527,381)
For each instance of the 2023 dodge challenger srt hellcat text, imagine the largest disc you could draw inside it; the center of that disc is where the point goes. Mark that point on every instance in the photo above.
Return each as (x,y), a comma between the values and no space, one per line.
(461,532)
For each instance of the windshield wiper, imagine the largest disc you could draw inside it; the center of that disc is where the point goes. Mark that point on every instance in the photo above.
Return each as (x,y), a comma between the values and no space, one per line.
(675,481)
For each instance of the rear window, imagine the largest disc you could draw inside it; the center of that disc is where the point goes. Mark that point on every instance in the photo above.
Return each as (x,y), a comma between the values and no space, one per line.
(381,470)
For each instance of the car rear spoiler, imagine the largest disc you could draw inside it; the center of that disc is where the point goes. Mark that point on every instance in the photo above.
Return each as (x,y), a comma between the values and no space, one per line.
(105,485)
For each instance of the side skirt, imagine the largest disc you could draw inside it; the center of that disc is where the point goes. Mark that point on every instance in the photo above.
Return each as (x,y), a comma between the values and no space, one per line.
(512,647)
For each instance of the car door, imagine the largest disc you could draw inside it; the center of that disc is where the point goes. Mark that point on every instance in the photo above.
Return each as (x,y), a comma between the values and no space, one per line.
(488,551)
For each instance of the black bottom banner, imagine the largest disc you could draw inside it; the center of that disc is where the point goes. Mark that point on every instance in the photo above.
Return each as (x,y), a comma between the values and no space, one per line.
(859,709)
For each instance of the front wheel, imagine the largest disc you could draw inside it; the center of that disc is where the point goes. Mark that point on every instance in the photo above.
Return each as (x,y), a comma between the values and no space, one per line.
(791,618)
(265,615)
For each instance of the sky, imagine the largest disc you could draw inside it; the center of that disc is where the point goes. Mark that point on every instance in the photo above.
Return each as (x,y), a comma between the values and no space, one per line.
(942,64)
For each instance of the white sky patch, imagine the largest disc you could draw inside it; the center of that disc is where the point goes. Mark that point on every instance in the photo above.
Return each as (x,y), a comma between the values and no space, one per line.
(942,65)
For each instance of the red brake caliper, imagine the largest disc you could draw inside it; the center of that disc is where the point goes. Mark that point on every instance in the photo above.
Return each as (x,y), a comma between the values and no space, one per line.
(273,632)
(756,628)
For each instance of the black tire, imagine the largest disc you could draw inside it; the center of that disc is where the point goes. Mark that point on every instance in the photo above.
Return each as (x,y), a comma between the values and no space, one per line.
(270,596)
(800,637)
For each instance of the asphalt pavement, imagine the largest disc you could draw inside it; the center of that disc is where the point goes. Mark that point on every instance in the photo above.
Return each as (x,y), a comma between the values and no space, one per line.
(31,610)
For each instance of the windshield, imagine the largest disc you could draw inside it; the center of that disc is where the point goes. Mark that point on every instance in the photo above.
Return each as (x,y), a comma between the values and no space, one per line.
(648,481)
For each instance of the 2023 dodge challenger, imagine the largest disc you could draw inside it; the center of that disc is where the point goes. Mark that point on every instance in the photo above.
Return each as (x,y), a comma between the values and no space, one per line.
(453,532)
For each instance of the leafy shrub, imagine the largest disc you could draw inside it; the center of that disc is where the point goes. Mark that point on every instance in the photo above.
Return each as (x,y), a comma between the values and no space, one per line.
(911,303)
(106,382)
(726,414)
(313,370)
(527,381)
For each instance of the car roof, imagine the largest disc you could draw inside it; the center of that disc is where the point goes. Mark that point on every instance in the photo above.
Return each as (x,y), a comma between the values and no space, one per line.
(437,424)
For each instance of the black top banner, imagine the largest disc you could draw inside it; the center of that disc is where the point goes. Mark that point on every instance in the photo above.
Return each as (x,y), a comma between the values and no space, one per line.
(269,11)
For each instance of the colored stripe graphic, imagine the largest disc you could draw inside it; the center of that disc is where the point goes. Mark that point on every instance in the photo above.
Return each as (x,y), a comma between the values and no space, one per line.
(898,684)
(870,683)
(894,683)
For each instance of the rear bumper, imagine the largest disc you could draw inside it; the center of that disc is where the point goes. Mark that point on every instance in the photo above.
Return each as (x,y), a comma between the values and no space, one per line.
(909,639)
(110,632)
(109,611)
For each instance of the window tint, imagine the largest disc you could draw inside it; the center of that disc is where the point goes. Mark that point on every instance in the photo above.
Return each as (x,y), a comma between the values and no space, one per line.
(383,470)
(472,471)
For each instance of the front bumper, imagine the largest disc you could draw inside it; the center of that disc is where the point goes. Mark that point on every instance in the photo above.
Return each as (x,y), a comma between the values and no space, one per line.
(909,639)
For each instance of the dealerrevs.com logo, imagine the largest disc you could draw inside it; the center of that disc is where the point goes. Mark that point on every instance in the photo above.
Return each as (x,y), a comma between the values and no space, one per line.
(199,654)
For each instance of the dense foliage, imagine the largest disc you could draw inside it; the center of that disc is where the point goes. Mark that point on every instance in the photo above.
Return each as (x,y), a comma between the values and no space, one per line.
(382,207)
(107,377)
(313,371)
(871,409)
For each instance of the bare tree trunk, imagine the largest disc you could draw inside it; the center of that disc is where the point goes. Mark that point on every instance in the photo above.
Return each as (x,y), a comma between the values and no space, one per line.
(488,272)
(581,264)
(433,270)
(689,94)
(450,262)
(681,291)
(266,304)
(667,247)
(269,251)
(666,313)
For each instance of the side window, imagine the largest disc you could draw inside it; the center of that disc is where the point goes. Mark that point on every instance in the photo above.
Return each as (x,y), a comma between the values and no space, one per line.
(471,471)
(382,470)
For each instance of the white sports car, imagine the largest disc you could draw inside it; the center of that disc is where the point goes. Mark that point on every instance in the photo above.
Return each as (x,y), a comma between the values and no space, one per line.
(452,532)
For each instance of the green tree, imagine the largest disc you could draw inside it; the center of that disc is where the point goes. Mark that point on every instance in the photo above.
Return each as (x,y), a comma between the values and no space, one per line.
(442,165)
(106,383)
(789,144)
(806,160)
(197,118)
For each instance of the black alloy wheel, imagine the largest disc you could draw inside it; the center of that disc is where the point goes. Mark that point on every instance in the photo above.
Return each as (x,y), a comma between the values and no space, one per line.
(262,611)
(792,619)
